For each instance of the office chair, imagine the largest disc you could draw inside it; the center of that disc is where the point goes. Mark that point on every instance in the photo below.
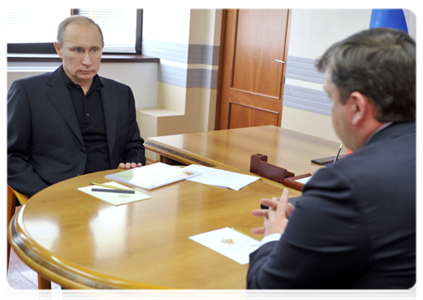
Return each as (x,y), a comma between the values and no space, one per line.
(12,195)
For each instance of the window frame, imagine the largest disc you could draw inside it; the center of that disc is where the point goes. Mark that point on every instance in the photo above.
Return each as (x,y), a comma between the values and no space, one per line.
(48,48)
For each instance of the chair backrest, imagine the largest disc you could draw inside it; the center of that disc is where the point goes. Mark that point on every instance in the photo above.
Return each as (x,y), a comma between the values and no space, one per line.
(12,195)
(21,197)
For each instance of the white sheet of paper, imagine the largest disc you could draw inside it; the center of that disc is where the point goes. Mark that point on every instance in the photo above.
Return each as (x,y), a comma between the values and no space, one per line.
(303,180)
(228,242)
(222,178)
(114,198)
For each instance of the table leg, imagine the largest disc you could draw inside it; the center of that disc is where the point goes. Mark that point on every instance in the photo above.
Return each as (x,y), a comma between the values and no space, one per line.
(44,288)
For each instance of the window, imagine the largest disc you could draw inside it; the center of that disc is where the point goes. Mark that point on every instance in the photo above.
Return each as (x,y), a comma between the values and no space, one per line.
(35,30)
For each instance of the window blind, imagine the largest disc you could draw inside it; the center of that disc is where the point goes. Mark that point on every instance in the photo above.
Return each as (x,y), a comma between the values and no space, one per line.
(119,26)
(35,25)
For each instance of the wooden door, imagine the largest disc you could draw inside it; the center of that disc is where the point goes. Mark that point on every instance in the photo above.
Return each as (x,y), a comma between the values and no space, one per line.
(252,68)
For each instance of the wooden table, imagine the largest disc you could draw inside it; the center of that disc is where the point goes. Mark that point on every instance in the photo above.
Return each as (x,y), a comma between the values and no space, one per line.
(80,241)
(232,149)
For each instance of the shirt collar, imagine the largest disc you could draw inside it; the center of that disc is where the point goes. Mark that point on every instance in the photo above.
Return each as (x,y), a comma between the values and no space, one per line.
(378,130)
(97,83)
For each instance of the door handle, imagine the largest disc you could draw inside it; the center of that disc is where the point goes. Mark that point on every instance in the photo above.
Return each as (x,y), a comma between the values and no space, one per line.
(280,61)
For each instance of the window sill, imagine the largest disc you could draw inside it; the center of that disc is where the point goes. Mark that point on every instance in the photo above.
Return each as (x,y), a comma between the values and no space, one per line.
(115,58)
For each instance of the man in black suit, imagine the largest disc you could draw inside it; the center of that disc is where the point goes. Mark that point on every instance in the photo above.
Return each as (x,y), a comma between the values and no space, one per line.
(71,121)
(355,224)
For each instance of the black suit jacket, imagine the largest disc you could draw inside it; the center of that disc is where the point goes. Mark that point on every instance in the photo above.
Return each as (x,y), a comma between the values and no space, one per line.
(354,225)
(45,143)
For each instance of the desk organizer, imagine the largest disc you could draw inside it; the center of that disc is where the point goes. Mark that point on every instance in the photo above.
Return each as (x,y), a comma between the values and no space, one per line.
(260,166)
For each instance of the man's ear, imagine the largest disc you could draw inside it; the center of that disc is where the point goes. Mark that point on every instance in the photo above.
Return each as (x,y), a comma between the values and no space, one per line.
(359,107)
(58,49)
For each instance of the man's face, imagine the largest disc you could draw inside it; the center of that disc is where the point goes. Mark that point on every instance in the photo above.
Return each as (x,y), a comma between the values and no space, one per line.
(81,52)
(340,115)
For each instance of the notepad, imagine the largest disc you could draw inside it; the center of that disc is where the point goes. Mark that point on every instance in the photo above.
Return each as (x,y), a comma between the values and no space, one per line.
(153,176)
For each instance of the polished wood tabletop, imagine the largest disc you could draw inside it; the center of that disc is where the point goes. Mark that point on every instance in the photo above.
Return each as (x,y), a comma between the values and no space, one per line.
(232,148)
(79,241)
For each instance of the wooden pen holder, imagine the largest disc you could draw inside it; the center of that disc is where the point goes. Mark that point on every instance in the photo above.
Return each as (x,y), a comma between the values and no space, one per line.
(260,166)
(255,162)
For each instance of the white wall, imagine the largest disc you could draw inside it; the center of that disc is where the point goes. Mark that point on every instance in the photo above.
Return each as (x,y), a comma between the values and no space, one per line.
(171,24)
(181,107)
(312,32)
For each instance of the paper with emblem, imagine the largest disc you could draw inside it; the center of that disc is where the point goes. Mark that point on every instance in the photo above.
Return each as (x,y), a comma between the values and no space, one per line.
(115,198)
(228,242)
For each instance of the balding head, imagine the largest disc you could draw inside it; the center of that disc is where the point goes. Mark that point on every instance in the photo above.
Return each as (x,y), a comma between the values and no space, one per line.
(76,19)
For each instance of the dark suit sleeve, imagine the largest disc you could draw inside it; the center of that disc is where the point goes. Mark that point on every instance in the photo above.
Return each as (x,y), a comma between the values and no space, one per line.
(134,150)
(21,175)
(323,245)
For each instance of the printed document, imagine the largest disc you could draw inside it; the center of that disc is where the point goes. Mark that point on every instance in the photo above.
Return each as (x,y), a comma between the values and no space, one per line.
(228,242)
(216,177)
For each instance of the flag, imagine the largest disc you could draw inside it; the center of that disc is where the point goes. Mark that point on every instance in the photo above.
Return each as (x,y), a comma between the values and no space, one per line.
(392,18)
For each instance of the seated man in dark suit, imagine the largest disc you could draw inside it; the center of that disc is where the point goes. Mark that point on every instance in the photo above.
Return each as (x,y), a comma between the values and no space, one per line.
(354,227)
(71,121)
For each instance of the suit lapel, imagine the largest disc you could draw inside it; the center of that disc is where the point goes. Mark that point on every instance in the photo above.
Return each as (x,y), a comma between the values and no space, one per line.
(110,112)
(60,97)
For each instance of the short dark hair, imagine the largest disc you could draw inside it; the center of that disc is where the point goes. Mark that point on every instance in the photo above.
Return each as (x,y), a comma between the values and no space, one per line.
(379,63)
(82,20)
